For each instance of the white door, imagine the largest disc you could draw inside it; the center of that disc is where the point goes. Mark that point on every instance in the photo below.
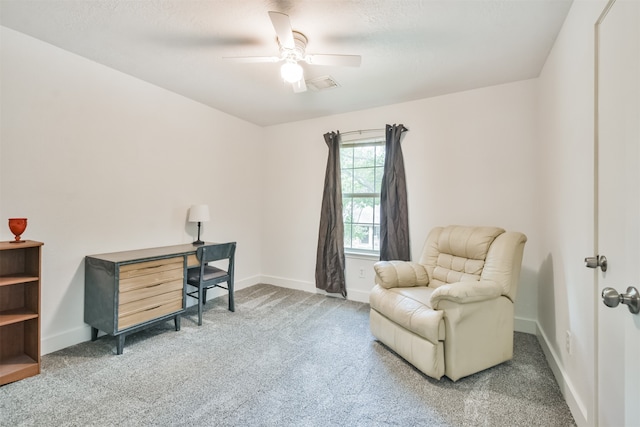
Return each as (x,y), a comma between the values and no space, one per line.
(618,214)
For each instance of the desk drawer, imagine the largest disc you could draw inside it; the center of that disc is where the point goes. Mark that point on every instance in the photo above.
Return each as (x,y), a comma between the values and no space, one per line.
(150,291)
(142,310)
(150,273)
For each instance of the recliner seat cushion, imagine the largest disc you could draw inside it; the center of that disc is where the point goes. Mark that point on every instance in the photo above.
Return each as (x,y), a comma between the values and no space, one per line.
(409,308)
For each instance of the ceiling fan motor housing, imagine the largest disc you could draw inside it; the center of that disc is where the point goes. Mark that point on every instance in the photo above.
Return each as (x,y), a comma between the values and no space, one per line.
(298,51)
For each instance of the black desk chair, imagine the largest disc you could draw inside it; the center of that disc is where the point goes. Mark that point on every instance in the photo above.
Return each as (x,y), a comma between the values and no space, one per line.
(206,276)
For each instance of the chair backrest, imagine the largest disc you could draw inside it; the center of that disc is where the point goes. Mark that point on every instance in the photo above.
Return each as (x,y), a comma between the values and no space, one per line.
(464,253)
(216,252)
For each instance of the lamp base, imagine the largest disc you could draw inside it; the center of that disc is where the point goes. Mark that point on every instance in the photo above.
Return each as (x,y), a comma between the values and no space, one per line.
(198,242)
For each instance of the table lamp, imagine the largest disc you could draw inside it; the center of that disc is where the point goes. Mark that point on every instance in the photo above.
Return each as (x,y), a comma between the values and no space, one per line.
(199,214)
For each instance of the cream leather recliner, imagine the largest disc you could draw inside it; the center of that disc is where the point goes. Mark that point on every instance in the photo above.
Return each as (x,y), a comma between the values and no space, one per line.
(451,313)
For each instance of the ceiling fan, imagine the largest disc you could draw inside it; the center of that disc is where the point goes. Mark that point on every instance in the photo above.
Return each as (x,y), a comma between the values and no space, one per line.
(292,50)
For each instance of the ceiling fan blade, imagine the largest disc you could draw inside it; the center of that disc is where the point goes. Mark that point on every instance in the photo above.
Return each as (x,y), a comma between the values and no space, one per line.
(251,59)
(282,25)
(299,86)
(340,60)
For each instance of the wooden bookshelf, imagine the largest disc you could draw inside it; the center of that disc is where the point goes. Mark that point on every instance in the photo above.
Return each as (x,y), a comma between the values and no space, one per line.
(20,277)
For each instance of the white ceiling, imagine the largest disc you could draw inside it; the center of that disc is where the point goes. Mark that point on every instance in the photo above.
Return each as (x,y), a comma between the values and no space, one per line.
(410,49)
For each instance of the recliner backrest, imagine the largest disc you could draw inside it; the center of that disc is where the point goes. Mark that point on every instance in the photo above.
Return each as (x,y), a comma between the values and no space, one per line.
(457,253)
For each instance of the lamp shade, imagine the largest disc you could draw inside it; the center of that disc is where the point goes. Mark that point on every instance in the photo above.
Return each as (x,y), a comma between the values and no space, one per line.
(199,213)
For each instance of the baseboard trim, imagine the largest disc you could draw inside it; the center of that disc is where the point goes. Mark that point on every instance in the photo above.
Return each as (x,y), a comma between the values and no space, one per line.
(528,326)
(358,296)
(352,294)
(288,283)
(65,339)
(576,405)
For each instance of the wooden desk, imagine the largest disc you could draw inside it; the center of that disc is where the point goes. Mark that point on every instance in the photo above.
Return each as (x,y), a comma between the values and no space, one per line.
(125,292)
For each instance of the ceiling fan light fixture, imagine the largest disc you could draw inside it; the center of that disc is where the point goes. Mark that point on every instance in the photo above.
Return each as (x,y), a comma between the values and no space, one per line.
(291,72)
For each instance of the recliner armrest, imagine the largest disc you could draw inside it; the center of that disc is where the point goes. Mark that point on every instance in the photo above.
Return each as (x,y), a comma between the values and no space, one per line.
(466,292)
(400,274)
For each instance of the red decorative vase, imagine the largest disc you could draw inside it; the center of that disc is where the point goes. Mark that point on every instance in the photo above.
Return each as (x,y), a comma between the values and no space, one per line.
(17,227)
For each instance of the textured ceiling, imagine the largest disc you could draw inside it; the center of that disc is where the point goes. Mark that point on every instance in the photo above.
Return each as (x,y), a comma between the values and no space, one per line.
(410,49)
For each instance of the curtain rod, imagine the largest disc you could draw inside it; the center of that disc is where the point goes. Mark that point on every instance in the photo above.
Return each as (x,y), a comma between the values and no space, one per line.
(359,132)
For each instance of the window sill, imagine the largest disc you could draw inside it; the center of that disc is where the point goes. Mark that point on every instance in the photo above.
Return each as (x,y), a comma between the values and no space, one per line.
(362,255)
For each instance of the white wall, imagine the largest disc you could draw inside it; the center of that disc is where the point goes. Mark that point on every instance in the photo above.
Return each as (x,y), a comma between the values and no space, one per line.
(99,161)
(566,288)
(469,159)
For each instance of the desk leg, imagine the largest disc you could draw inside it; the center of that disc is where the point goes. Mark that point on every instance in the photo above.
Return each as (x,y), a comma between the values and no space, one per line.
(120,343)
(94,333)
(176,320)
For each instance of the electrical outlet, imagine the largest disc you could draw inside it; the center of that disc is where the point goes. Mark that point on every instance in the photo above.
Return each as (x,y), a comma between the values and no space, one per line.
(362,273)
(568,343)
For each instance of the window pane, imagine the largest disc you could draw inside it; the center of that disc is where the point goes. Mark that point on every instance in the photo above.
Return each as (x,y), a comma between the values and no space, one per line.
(380,151)
(363,156)
(346,157)
(378,180)
(363,210)
(363,180)
(376,238)
(362,237)
(347,213)
(347,180)
(376,213)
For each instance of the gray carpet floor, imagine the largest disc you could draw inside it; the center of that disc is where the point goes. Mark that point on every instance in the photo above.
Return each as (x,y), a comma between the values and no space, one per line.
(284,358)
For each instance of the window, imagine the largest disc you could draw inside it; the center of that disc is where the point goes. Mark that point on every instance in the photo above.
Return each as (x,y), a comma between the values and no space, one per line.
(362,165)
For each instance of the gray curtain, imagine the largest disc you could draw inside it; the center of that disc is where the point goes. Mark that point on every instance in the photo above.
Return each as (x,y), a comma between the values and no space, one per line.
(330,256)
(394,216)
